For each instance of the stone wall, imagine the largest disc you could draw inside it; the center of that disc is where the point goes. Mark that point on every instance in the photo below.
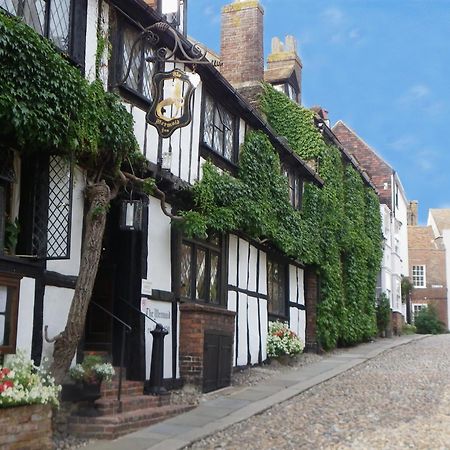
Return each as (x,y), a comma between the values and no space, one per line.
(26,427)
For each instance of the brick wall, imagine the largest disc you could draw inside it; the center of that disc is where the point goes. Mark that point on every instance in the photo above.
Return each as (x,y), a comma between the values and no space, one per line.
(195,320)
(242,52)
(397,323)
(26,427)
(311,300)
(378,170)
(424,250)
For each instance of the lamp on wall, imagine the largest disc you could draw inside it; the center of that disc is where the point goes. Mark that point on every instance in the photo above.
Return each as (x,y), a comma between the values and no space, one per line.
(130,215)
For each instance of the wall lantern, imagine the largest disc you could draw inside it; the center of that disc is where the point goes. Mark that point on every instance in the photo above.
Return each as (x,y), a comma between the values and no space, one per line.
(130,215)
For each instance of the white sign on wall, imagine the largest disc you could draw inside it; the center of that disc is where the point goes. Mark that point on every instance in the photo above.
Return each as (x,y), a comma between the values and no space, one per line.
(161,312)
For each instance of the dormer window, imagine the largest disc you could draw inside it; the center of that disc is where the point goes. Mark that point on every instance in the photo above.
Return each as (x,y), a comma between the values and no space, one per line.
(175,13)
(288,89)
(218,128)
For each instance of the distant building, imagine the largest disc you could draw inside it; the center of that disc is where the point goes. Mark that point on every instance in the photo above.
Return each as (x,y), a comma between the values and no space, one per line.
(428,267)
(394,210)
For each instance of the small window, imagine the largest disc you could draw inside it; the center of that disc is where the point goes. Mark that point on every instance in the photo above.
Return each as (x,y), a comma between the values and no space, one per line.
(419,276)
(8,185)
(417,308)
(218,129)
(276,288)
(9,303)
(296,187)
(139,79)
(200,271)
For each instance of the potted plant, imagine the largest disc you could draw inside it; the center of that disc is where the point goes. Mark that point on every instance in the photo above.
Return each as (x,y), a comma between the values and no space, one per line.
(27,394)
(89,375)
(283,343)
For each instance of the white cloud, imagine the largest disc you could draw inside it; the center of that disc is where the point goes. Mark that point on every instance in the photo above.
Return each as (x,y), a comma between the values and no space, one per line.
(403,143)
(415,93)
(333,15)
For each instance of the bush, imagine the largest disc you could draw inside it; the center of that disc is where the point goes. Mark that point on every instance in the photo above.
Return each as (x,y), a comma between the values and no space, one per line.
(383,313)
(427,321)
(409,329)
(23,383)
(282,341)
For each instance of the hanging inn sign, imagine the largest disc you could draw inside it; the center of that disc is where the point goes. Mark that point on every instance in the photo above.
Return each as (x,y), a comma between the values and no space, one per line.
(171,106)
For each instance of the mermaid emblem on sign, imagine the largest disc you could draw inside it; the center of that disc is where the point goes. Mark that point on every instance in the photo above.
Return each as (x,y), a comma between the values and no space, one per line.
(171,107)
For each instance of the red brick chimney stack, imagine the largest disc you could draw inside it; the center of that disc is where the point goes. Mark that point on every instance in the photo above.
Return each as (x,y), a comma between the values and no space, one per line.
(242,51)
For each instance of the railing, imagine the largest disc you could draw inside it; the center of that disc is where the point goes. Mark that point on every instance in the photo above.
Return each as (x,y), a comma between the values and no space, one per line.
(125,328)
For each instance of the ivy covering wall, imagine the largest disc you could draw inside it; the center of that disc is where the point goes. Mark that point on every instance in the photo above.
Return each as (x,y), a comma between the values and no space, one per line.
(47,105)
(338,228)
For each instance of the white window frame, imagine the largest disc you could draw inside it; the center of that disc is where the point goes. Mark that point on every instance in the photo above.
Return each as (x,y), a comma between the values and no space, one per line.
(417,276)
(415,311)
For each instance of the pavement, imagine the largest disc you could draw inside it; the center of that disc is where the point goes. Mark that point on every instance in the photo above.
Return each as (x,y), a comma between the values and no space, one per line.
(239,403)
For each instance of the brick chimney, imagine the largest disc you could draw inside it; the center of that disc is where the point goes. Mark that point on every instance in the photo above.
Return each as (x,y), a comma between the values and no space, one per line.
(284,64)
(242,51)
(413,212)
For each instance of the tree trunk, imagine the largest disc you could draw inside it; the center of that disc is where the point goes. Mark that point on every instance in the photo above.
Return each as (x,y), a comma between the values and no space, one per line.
(66,343)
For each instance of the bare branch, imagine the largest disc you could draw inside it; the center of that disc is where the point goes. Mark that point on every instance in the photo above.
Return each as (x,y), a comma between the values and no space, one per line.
(159,194)
(47,339)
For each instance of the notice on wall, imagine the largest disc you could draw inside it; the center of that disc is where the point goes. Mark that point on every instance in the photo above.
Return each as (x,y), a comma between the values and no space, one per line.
(161,312)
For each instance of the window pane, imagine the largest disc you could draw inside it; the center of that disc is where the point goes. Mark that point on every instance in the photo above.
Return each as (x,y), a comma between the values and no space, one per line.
(218,131)
(34,14)
(3,338)
(200,286)
(209,122)
(147,73)
(186,264)
(3,298)
(229,135)
(59,23)
(275,288)
(214,279)
(12,6)
(129,37)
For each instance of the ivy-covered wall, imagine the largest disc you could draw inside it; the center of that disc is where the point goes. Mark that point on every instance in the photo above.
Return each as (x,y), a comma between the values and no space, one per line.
(338,228)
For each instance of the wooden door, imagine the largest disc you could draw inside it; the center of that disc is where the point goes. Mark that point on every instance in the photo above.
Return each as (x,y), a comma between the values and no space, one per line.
(216,361)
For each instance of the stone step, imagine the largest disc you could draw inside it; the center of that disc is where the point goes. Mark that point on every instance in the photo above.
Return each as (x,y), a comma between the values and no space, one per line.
(115,425)
(110,389)
(108,406)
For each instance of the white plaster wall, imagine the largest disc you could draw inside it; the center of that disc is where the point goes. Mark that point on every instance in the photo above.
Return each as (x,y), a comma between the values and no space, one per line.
(139,126)
(264,326)
(262,273)
(57,303)
(25,316)
(253,328)
(242,326)
(232,306)
(402,216)
(232,260)
(159,260)
(243,263)
(91,38)
(71,266)
(252,269)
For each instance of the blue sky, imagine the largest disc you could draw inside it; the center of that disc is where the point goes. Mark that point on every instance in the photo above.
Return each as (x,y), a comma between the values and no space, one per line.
(382,66)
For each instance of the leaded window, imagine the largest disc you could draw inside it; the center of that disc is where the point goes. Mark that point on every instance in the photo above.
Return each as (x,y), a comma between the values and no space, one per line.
(50,18)
(200,271)
(276,287)
(218,128)
(141,71)
(296,187)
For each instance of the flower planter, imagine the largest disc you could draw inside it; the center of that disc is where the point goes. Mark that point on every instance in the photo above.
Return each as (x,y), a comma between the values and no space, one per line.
(89,392)
(26,427)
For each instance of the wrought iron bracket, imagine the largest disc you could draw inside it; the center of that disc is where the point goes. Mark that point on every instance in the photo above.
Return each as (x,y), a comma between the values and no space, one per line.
(194,55)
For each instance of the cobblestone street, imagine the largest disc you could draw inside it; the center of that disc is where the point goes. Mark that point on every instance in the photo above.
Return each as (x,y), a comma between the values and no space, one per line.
(400,399)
